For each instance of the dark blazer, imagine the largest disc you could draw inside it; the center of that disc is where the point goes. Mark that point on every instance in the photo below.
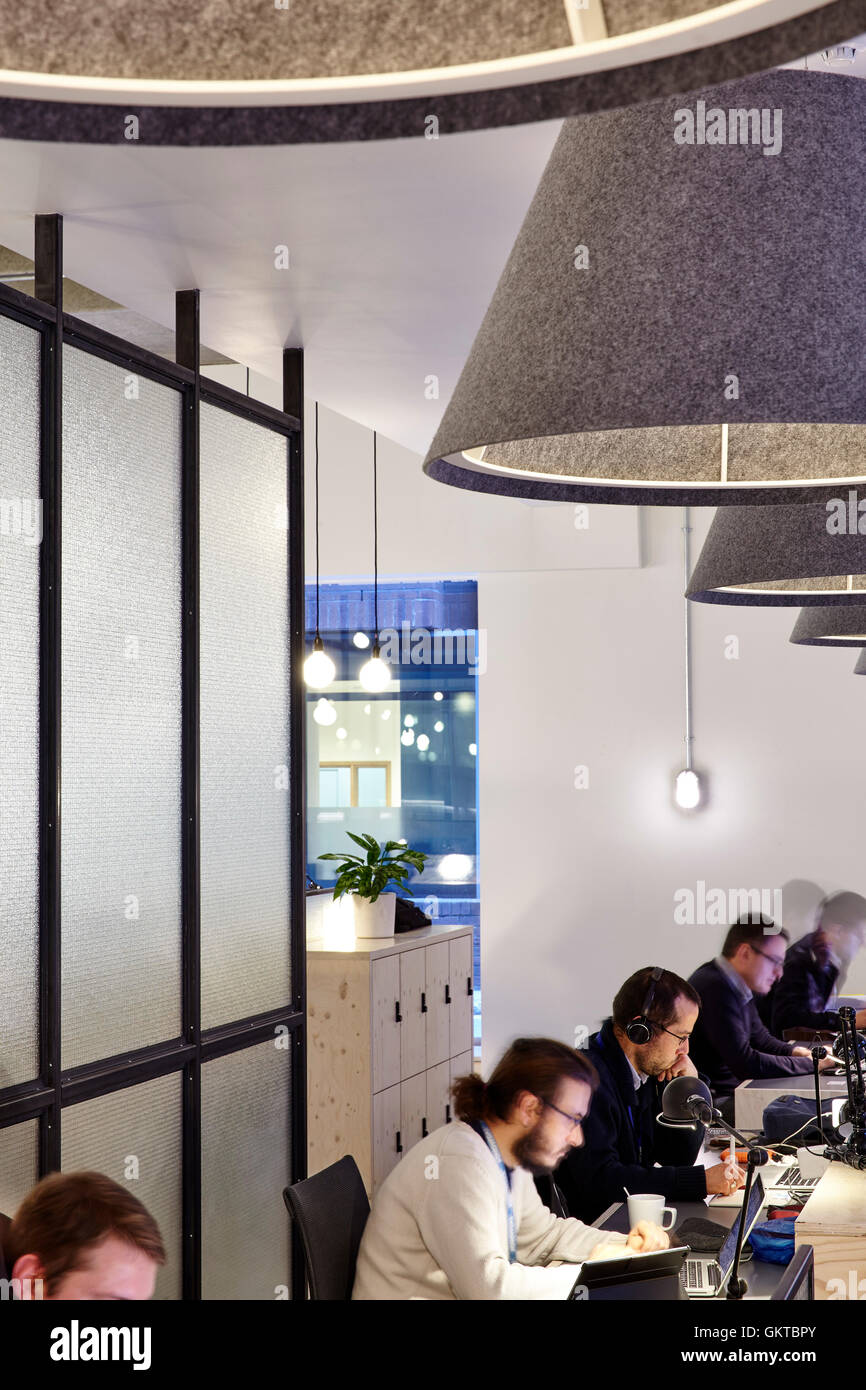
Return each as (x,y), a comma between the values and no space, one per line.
(730,1043)
(800,996)
(622,1141)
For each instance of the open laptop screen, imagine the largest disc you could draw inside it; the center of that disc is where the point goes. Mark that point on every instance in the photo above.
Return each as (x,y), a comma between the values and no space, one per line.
(756,1201)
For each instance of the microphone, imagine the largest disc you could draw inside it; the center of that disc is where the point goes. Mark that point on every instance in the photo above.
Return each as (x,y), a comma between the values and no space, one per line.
(686,1102)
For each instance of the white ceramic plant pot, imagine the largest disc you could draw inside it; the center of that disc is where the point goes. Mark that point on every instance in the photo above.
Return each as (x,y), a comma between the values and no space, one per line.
(374,918)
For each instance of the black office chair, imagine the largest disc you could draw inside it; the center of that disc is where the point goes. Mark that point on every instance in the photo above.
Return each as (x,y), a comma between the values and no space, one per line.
(331,1210)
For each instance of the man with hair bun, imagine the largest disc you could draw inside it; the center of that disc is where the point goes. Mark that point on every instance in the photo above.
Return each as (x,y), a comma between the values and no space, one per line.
(459,1217)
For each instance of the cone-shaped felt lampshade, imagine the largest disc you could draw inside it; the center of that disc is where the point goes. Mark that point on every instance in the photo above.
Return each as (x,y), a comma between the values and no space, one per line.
(799,553)
(860,668)
(330,71)
(665,285)
(839,625)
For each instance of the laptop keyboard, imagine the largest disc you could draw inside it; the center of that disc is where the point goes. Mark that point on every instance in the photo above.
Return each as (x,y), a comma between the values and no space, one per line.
(698,1274)
(792,1177)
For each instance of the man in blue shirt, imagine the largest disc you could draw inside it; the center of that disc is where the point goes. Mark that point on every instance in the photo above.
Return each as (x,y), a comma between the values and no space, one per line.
(730,1043)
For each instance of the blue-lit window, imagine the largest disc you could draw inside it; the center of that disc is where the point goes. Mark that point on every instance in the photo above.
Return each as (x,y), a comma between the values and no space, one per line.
(402,764)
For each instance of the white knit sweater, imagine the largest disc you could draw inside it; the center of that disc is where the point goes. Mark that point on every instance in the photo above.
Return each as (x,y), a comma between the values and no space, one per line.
(438,1229)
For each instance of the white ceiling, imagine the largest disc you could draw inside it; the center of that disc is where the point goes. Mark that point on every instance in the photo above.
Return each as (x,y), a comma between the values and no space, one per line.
(395,250)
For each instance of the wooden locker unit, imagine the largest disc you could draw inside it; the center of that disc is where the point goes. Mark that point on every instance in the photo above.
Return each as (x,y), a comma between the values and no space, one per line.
(389,1027)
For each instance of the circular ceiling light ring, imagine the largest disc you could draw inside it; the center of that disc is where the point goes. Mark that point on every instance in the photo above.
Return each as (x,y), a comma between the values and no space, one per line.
(259,91)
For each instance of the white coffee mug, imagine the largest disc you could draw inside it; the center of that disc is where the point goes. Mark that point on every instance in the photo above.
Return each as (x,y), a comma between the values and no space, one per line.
(649,1206)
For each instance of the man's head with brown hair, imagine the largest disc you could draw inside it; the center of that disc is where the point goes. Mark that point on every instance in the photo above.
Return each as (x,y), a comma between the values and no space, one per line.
(85,1237)
(534,1102)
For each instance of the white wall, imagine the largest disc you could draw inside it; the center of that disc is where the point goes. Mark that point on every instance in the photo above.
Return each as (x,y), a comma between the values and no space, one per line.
(585,667)
(578,885)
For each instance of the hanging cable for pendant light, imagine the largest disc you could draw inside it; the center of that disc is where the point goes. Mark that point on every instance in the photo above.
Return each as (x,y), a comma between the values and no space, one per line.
(688,789)
(319,669)
(375,674)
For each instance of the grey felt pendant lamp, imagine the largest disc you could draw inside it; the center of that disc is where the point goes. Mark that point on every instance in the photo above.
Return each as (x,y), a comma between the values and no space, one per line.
(290,71)
(797,553)
(860,668)
(677,322)
(838,625)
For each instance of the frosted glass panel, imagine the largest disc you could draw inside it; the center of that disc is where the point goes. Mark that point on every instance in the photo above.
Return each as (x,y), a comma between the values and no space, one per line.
(244,1168)
(134,1137)
(20,534)
(245,822)
(19,1164)
(121,690)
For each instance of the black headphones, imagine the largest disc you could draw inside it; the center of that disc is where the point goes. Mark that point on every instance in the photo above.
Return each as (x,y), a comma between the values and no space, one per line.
(640,1030)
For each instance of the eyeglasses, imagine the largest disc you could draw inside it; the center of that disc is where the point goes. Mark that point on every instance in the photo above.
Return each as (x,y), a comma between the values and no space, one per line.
(777,961)
(575,1121)
(680,1037)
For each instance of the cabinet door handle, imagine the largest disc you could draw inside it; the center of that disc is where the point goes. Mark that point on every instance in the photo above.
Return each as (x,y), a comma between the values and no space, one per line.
(423,1003)
(447,994)
(424,1129)
(447,1114)
(468,984)
(398,1017)
(399,1145)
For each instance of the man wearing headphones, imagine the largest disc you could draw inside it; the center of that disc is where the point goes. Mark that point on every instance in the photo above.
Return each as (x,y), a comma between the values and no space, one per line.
(637,1051)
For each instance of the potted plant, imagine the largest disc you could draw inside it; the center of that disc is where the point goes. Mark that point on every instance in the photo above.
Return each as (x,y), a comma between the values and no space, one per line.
(366,878)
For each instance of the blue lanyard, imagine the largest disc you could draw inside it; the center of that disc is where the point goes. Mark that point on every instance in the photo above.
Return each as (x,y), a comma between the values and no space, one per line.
(509,1200)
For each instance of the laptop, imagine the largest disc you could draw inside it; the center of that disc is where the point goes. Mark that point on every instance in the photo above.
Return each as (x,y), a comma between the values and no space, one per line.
(643,1275)
(705,1275)
(785,1178)
(782,1180)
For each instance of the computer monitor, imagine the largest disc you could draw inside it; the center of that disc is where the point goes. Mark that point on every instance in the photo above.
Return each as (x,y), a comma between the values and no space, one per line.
(798,1281)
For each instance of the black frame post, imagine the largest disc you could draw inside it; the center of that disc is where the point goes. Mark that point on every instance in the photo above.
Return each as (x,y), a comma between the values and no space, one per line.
(293,404)
(48,260)
(188,354)
(52,1088)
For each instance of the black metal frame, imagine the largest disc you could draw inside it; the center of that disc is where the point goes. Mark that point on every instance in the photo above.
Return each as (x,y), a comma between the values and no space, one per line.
(44,1097)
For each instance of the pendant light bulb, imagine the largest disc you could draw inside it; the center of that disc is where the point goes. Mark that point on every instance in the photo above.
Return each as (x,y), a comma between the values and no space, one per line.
(688,793)
(324,713)
(319,669)
(375,674)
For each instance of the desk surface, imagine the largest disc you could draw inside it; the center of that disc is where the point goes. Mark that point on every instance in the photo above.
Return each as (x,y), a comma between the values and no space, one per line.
(761,1276)
(752,1097)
